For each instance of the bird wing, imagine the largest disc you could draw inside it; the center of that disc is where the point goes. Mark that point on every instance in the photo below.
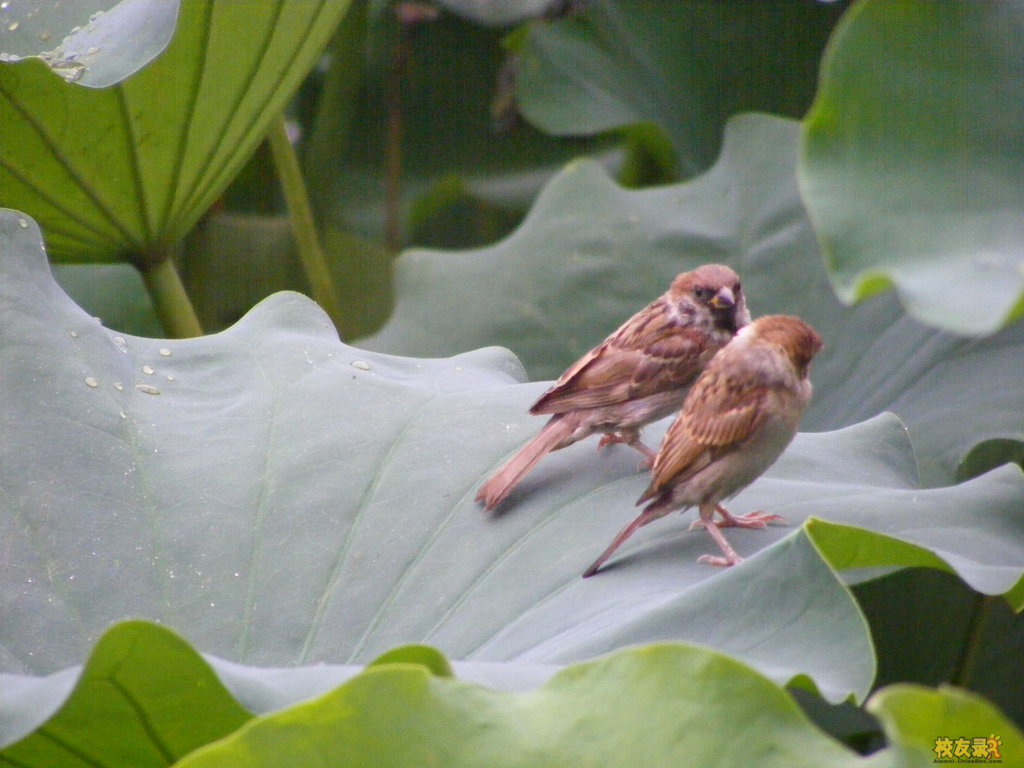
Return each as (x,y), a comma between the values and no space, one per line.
(650,353)
(718,413)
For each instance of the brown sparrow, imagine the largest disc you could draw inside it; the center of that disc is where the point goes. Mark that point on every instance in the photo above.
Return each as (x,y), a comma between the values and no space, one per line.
(637,375)
(735,422)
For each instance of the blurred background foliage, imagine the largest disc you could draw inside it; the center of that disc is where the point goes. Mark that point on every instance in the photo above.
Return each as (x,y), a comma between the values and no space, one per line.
(436,126)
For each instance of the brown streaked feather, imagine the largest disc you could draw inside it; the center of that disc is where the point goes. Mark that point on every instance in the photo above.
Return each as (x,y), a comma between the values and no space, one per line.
(558,429)
(718,412)
(723,410)
(639,373)
(735,421)
(655,356)
(682,459)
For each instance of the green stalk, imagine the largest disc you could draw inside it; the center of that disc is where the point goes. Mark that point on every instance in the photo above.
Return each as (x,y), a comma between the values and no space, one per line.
(173,307)
(300,215)
(332,127)
(975,628)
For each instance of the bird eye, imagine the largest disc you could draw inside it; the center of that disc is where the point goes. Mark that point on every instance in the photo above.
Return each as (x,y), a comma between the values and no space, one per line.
(699,292)
(736,288)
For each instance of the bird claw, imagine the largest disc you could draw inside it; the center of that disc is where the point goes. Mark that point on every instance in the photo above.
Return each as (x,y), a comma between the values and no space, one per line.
(724,562)
(749,520)
(610,438)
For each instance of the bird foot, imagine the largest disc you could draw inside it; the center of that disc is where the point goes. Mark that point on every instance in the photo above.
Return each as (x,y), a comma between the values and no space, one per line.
(633,440)
(724,562)
(729,556)
(749,520)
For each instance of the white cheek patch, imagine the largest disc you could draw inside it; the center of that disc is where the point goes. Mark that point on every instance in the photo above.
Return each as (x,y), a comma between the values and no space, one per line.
(683,315)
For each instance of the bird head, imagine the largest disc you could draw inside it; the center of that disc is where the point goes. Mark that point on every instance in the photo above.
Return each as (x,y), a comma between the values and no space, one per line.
(797,340)
(717,287)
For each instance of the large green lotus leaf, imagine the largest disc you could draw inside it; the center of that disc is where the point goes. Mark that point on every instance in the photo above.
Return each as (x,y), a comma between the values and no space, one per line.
(656,706)
(27,702)
(263,689)
(683,67)
(135,703)
(911,159)
(126,170)
(917,718)
(591,253)
(136,700)
(289,499)
(95,43)
(896,540)
(137,696)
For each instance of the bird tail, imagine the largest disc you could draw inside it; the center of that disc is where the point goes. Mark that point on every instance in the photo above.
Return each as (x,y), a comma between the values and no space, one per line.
(557,433)
(652,511)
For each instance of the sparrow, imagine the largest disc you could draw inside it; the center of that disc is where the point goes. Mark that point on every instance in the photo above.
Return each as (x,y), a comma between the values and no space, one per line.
(735,422)
(639,374)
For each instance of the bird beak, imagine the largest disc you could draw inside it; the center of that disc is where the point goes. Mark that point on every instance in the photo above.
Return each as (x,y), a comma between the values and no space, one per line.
(724,299)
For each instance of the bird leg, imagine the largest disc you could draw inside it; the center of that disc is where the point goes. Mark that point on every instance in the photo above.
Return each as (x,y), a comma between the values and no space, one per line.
(630,437)
(638,522)
(707,514)
(749,520)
